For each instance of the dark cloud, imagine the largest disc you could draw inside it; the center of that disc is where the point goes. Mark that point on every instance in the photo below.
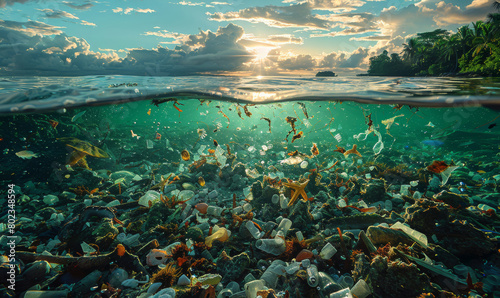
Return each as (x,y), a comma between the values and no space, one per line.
(30,27)
(22,52)
(299,62)
(285,39)
(356,59)
(84,6)
(4,3)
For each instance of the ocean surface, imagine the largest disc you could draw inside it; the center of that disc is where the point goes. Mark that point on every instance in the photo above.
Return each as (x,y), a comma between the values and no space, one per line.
(363,146)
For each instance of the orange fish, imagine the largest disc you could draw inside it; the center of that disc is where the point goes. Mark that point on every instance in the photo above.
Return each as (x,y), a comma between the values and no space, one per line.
(53,123)
(149,112)
(158,136)
(177,108)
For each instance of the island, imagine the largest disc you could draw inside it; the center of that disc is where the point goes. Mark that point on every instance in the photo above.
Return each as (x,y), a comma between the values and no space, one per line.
(326,74)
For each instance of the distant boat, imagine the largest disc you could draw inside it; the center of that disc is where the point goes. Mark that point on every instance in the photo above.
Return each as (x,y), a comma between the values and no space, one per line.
(326,74)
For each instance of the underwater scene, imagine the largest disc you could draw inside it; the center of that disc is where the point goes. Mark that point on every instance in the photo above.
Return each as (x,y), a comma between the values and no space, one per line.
(191,194)
(250,149)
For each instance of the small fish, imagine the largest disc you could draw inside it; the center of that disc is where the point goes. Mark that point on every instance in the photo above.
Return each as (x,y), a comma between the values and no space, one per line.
(26,154)
(433,143)
(53,123)
(430,124)
(134,135)
(492,125)
(158,136)
(77,116)
(148,112)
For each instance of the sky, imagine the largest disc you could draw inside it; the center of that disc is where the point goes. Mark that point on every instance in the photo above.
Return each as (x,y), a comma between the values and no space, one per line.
(258,37)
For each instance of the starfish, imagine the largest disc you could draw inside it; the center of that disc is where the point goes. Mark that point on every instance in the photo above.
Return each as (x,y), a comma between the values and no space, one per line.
(298,190)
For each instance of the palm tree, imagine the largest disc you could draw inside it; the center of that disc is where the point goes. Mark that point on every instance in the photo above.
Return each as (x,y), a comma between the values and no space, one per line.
(450,48)
(410,49)
(484,38)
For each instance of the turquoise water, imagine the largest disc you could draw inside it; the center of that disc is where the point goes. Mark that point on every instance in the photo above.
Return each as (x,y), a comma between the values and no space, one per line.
(399,126)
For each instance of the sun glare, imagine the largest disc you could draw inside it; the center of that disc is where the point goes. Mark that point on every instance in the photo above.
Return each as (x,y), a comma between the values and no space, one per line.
(261,53)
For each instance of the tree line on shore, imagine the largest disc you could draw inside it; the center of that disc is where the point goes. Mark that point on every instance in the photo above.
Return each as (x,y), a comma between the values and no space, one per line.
(473,49)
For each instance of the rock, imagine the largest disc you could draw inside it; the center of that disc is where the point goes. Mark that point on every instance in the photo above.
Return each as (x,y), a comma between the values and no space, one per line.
(195,233)
(424,214)
(183,281)
(68,196)
(185,194)
(45,213)
(374,191)
(106,226)
(453,199)
(381,236)
(396,279)
(158,213)
(232,268)
(50,199)
(463,239)
(188,186)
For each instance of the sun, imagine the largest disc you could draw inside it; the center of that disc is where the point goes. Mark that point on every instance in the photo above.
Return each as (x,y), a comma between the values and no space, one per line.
(260,53)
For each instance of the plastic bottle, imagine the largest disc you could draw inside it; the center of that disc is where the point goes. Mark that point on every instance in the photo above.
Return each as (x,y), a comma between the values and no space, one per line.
(361,289)
(283,201)
(225,293)
(214,210)
(270,276)
(327,285)
(327,251)
(346,281)
(253,229)
(299,235)
(312,276)
(275,199)
(293,267)
(345,293)
(275,246)
(251,288)
(284,225)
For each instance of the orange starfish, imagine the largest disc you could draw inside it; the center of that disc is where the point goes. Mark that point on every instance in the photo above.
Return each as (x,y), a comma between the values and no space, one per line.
(297,190)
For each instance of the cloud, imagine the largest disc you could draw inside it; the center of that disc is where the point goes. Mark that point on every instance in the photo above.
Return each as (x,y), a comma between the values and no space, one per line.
(177,37)
(23,52)
(85,23)
(371,38)
(251,41)
(4,3)
(31,28)
(189,3)
(84,6)
(220,3)
(56,14)
(299,62)
(346,62)
(285,39)
(275,16)
(146,10)
(333,5)
(128,10)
